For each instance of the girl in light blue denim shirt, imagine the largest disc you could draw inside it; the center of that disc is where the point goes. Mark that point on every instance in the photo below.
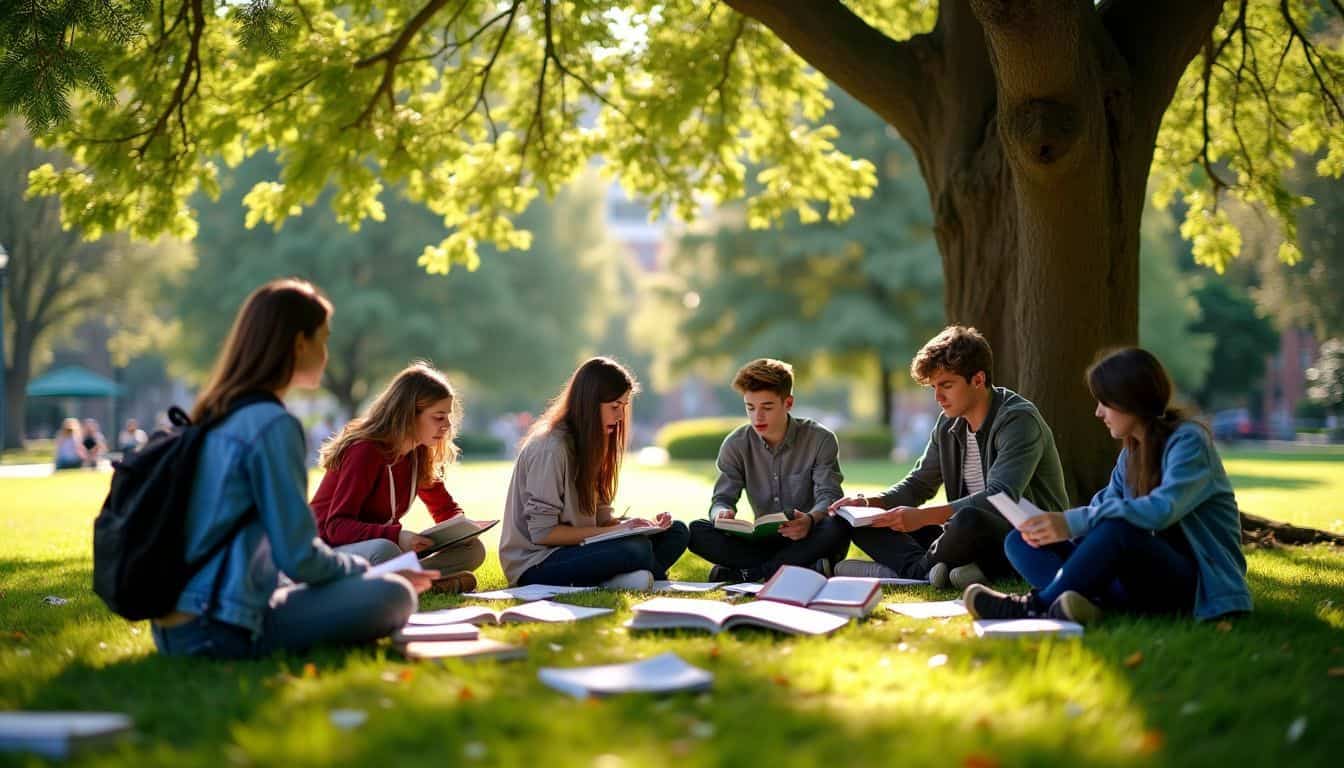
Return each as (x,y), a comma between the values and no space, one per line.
(1164,537)
(251,484)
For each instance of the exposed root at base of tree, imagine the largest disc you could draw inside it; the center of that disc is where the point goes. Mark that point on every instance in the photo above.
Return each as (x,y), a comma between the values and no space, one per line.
(1258,531)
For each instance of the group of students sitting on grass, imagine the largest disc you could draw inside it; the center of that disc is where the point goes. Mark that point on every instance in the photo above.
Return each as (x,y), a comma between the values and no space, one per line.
(1162,537)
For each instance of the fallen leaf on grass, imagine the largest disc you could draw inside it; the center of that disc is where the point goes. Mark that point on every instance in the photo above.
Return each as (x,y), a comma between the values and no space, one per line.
(980,760)
(1151,741)
(781,681)
(465,694)
(1134,659)
(310,670)
(407,675)
(1335,672)
(1223,626)
(714,652)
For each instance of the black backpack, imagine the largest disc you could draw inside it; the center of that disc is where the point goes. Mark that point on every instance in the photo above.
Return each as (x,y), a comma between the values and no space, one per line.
(139,538)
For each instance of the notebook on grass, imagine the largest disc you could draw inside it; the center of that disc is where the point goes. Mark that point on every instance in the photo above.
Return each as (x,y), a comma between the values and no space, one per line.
(1011,628)
(414,632)
(665,673)
(60,734)
(484,648)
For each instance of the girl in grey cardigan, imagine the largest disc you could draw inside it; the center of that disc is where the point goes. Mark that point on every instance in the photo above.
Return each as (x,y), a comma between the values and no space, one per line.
(562,488)
(1163,537)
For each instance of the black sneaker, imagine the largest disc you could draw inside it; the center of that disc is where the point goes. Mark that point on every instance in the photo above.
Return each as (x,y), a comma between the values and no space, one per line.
(726,574)
(985,603)
(824,567)
(1072,606)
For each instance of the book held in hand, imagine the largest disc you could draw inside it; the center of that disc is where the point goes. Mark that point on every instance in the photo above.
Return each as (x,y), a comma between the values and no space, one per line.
(843,596)
(454,530)
(665,673)
(414,632)
(406,561)
(1026,628)
(765,525)
(541,610)
(484,648)
(1015,512)
(858,517)
(60,734)
(622,531)
(715,616)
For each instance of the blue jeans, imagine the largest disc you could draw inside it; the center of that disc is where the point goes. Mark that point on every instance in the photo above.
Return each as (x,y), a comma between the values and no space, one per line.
(590,565)
(348,611)
(1117,565)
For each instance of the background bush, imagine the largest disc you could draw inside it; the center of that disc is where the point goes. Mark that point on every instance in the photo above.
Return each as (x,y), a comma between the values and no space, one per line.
(696,438)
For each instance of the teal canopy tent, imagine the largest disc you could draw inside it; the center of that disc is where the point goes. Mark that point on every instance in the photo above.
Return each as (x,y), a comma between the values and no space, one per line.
(72,381)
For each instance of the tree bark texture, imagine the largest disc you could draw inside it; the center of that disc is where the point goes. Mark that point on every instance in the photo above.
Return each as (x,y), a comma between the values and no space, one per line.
(1034,123)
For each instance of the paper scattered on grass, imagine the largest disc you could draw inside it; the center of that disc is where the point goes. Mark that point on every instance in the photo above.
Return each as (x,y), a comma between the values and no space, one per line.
(348,719)
(937,660)
(1296,729)
(54,600)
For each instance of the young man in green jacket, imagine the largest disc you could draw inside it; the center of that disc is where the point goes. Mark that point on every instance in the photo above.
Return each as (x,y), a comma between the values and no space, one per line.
(987,440)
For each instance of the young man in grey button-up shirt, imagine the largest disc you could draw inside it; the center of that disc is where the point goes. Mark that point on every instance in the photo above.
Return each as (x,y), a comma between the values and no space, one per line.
(785,464)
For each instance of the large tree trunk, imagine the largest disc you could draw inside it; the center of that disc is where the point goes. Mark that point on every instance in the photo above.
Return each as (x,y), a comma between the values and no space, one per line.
(1034,122)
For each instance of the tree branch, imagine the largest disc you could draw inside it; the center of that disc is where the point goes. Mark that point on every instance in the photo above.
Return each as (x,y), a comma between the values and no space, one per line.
(890,76)
(391,57)
(1158,39)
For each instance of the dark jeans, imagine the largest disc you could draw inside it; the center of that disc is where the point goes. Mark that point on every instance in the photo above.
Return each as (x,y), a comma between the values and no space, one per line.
(352,610)
(828,539)
(969,536)
(1117,565)
(590,565)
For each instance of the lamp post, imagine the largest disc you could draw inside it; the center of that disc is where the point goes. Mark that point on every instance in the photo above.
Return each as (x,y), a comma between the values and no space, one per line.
(4,264)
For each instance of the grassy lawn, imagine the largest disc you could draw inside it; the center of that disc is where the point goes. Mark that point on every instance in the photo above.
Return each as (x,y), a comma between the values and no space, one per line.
(1131,693)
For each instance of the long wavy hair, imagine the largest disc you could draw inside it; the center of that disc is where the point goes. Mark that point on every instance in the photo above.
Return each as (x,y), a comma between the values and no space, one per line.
(391,423)
(1133,380)
(578,409)
(259,351)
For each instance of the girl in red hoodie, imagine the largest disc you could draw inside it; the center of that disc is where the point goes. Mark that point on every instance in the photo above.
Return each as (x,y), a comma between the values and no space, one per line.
(379,463)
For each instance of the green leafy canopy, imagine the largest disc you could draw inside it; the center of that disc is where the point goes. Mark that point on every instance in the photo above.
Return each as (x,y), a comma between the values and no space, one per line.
(473,106)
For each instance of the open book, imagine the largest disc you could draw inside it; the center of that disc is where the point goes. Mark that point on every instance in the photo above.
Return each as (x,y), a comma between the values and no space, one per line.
(484,648)
(541,610)
(414,632)
(622,531)
(406,561)
(60,734)
(859,517)
(529,592)
(843,596)
(765,525)
(454,530)
(665,673)
(686,586)
(1015,512)
(715,616)
(1026,628)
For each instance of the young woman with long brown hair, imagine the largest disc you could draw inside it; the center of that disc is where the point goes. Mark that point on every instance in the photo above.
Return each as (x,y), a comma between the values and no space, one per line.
(380,462)
(562,490)
(1164,537)
(249,502)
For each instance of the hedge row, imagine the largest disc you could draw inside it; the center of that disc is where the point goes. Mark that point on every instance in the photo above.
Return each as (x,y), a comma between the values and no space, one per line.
(701,438)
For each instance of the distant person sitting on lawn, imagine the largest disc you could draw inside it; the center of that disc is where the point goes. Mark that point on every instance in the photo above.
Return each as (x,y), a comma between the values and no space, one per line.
(70,453)
(987,440)
(95,445)
(788,466)
(563,486)
(1164,537)
(131,438)
(380,462)
(250,489)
